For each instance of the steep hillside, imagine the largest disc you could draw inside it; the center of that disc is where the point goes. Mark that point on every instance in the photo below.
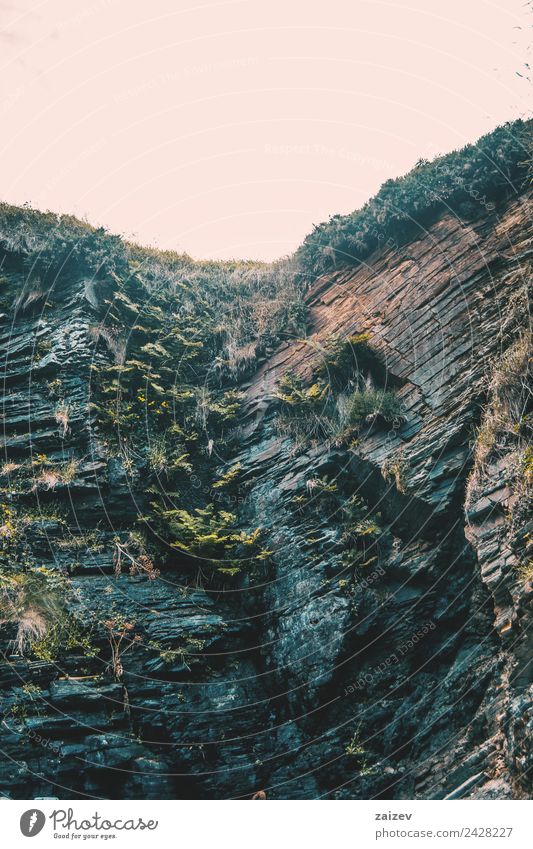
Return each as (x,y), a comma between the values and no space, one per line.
(266,528)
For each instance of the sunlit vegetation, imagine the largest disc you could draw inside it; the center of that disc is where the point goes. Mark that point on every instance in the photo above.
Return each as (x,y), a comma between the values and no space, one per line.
(465,183)
(507,421)
(361,533)
(34,601)
(344,360)
(343,396)
(373,405)
(210,535)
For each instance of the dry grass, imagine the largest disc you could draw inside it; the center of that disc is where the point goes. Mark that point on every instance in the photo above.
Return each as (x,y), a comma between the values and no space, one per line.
(396,469)
(114,344)
(47,480)
(51,477)
(33,601)
(32,294)
(8,469)
(62,417)
(68,471)
(504,427)
(31,627)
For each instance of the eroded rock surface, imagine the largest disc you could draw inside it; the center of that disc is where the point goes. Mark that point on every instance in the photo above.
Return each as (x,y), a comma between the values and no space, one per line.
(408,678)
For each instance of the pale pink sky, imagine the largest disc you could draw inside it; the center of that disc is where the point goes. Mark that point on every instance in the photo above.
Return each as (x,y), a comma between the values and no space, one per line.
(227,129)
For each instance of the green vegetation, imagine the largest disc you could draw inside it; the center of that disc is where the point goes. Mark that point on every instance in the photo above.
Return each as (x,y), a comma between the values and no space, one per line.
(210,535)
(35,601)
(346,359)
(170,339)
(361,533)
(466,182)
(354,748)
(295,395)
(188,653)
(373,405)
(306,411)
(65,635)
(229,478)
(173,337)
(507,423)
(337,409)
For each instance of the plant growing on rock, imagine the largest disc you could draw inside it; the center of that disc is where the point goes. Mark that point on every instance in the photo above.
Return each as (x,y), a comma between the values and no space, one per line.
(372,406)
(8,469)
(210,534)
(134,553)
(361,533)
(35,601)
(51,474)
(345,360)
(507,419)
(306,411)
(396,469)
(404,206)
(321,486)
(354,747)
(62,416)
(54,387)
(120,637)
(229,478)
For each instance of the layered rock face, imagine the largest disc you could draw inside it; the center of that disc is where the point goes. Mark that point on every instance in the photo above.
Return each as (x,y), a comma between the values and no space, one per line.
(402,673)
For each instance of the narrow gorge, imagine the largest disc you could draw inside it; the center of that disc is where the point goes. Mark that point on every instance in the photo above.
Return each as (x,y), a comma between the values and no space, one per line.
(266,529)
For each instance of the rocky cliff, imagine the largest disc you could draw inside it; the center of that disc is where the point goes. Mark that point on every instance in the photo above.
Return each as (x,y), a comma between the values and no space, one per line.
(321,604)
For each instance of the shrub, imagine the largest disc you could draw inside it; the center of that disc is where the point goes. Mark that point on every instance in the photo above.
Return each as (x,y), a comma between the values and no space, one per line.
(373,405)
(297,397)
(34,601)
(347,358)
(211,535)
(478,175)
(307,412)
(396,469)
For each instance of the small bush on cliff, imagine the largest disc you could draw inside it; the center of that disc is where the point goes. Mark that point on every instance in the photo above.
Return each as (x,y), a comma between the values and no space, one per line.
(307,412)
(345,359)
(35,601)
(396,469)
(361,533)
(373,405)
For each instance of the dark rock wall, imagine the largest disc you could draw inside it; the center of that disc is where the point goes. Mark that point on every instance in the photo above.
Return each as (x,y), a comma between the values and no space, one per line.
(305,679)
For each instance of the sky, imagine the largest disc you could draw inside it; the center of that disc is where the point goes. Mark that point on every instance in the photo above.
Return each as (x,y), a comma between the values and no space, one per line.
(227,129)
